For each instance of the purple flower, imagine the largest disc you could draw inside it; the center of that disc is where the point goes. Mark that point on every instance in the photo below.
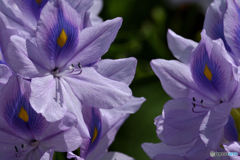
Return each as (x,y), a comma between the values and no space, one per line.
(94,12)
(191,135)
(208,75)
(64,64)
(205,89)
(103,125)
(21,17)
(222,21)
(26,134)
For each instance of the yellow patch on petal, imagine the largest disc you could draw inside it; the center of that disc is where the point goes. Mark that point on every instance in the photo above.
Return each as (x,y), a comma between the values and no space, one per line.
(62,39)
(39,1)
(23,115)
(95,134)
(208,73)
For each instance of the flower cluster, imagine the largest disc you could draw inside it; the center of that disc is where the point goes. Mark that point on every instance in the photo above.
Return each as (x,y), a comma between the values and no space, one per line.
(57,94)
(204,115)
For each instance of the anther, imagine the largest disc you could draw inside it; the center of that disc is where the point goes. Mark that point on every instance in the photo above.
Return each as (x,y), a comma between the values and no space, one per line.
(79,65)
(16,148)
(22,146)
(202,101)
(221,101)
(33,141)
(55,69)
(194,105)
(193,99)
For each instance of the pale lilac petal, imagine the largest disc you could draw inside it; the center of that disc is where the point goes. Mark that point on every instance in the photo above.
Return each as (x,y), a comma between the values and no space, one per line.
(94,12)
(231,26)
(71,155)
(188,122)
(62,135)
(36,56)
(48,155)
(152,150)
(167,157)
(212,127)
(17,15)
(47,97)
(122,70)
(5,74)
(233,147)
(96,7)
(213,23)
(114,156)
(130,107)
(81,5)
(199,151)
(17,58)
(5,38)
(95,42)
(175,77)
(74,106)
(180,47)
(90,87)
(34,154)
(62,141)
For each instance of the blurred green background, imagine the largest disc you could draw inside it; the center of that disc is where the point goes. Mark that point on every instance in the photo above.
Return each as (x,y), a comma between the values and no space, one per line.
(143,36)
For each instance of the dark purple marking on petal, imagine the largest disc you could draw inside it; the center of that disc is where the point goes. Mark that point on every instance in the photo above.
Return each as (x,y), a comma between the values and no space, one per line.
(21,117)
(62,38)
(36,6)
(206,72)
(95,128)
(95,131)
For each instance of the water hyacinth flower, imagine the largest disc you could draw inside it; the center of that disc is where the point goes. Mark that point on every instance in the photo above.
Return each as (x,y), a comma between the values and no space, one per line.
(103,125)
(27,135)
(222,21)
(61,63)
(191,135)
(21,17)
(209,76)
(205,89)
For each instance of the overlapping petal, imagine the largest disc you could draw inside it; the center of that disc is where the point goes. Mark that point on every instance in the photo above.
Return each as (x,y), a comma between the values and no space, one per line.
(90,87)
(179,46)
(120,70)
(95,41)
(231,26)
(175,77)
